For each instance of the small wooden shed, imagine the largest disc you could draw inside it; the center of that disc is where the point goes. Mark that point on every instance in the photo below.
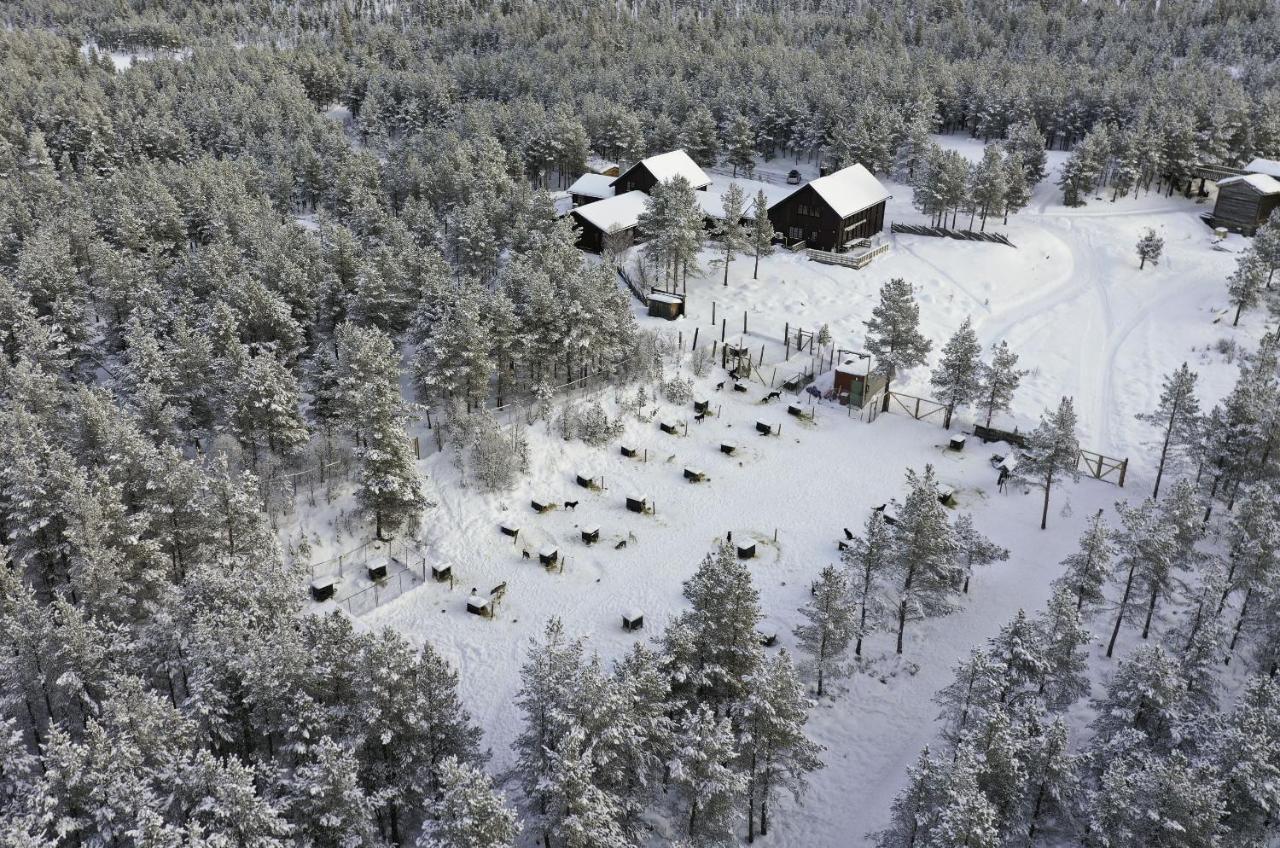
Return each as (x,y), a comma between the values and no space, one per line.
(668,427)
(695,475)
(540,506)
(323,588)
(548,556)
(1245,202)
(632,620)
(728,449)
(377,570)
(637,503)
(509,529)
(590,535)
(628,451)
(479,605)
(442,573)
(666,305)
(765,429)
(746,550)
(587,480)
(852,385)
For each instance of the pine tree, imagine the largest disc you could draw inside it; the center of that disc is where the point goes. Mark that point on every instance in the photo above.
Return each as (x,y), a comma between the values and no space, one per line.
(1244,751)
(368,385)
(966,817)
(829,626)
(1085,572)
(974,549)
(740,144)
(958,378)
(1150,246)
(1145,545)
(1266,246)
(733,237)
(548,685)
(327,800)
(702,771)
(978,686)
(869,560)
(924,552)
(1051,453)
(1025,140)
(915,809)
(583,815)
(990,184)
(1244,286)
(1147,693)
(1000,379)
(1149,800)
(469,812)
(1178,416)
(1254,557)
(776,753)
(761,232)
(893,333)
(1064,639)
(1052,779)
(1017,191)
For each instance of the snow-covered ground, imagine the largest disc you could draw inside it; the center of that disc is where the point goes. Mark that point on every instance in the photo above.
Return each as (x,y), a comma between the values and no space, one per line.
(1069,299)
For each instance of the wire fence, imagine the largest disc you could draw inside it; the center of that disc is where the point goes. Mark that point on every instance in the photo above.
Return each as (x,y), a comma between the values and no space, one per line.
(395,584)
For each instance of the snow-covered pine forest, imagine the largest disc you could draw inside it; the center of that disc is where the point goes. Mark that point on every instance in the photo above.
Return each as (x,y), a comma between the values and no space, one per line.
(296,328)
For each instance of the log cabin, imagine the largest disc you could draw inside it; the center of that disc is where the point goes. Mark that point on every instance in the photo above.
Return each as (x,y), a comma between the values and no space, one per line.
(589,188)
(1245,202)
(832,211)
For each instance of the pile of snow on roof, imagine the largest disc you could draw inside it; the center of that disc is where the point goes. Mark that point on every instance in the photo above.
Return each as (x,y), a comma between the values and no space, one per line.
(621,212)
(1261,182)
(667,166)
(1270,167)
(593,185)
(850,190)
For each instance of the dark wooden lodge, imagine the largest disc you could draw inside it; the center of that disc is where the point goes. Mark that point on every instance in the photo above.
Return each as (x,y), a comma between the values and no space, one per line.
(832,211)
(647,173)
(1245,202)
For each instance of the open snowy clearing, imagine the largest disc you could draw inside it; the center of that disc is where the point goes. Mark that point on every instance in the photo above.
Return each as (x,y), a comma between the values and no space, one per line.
(1069,299)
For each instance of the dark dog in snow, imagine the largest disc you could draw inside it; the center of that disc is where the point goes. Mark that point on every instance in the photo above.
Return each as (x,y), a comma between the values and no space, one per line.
(622,544)
(570,504)
(847,534)
(772,396)
(524,554)
(720,386)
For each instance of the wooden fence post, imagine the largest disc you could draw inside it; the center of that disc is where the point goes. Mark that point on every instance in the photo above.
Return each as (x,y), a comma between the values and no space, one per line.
(744,322)
(724,324)
(1124,467)
(713,313)
(694,346)
(417,452)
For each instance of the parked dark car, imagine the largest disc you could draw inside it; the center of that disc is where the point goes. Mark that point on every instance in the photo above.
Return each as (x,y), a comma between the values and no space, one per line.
(793,178)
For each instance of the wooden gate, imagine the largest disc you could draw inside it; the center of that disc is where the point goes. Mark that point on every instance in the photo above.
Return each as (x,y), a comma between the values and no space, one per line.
(1102,467)
(917,407)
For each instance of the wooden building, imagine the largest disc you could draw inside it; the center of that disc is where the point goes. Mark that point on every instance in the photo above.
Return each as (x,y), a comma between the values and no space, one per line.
(832,211)
(1245,202)
(853,385)
(614,215)
(647,173)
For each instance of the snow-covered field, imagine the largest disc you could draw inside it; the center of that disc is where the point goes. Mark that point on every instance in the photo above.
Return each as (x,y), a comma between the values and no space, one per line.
(1069,299)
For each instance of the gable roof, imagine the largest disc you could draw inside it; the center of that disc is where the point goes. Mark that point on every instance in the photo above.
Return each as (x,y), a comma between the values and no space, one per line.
(848,190)
(621,212)
(593,185)
(1260,183)
(1270,167)
(668,166)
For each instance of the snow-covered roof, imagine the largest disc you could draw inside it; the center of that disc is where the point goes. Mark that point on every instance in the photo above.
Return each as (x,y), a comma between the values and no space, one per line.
(621,212)
(1260,182)
(324,582)
(478,601)
(665,297)
(1270,167)
(593,185)
(676,163)
(547,551)
(849,190)
(632,614)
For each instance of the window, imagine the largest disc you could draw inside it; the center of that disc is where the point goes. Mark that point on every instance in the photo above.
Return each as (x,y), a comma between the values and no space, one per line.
(796,233)
(806,209)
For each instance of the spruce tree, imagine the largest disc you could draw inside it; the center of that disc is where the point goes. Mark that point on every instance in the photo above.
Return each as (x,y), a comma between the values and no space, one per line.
(703,772)
(1244,286)
(924,554)
(730,232)
(469,812)
(870,560)
(1085,572)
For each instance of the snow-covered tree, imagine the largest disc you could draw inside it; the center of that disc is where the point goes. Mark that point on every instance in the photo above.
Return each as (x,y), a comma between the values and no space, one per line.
(829,626)
(973,549)
(469,813)
(957,379)
(914,815)
(1177,416)
(1086,571)
(893,332)
(1051,453)
(1025,140)
(1245,285)
(776,754)
(990,185)
(1064,640)
(703,771)
(740,144)
(761,230)
(1000,379)
(1145,545)
(924,553)
(729,230)
(869,560)
(1149,248)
